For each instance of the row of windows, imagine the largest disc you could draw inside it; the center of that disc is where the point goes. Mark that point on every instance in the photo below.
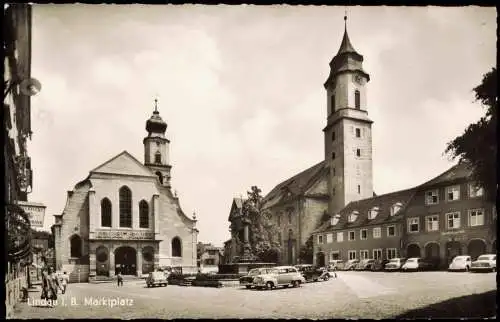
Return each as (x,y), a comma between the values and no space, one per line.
(452,193)
(363,235)
(452,221)
(125,209)
(374,254)
(357,101)
(357,132)
(357,152)
(372,213)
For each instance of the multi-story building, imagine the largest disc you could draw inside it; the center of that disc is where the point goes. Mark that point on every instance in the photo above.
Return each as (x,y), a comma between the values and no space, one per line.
(18,89)
(210,257)
(368,228)
(449,216)
(125,218)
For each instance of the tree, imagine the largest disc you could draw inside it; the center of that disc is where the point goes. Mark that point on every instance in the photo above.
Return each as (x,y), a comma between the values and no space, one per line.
(307,251)
(263,240)
(478,144)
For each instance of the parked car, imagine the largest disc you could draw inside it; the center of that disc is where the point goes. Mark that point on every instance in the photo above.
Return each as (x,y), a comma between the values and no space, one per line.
(247,280)
(486,262)
(460,263)
(350,264)
(365,264)
(156,278)
(336,264)
(279,276)
(416,264)
(379,264)
(395,264)
(313,273)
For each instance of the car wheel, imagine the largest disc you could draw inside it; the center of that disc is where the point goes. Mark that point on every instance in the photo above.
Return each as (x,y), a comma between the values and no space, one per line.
(493,269)
(147,285)
(466,268)
(296,283)
(269,285)
(327,277)
(247,286)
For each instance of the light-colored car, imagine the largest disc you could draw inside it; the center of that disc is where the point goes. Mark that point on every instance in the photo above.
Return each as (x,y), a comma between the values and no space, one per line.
(395,264)
(486,262)
(247,280)
(279,276)
(350,264)
(416,264)
(460,263)
(365,264)
(156,278)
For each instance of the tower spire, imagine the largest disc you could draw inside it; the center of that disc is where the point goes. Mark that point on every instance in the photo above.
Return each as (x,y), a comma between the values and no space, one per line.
(345,20)
(156,104)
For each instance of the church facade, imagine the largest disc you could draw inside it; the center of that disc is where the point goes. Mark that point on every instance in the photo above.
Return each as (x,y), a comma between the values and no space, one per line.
(124,217)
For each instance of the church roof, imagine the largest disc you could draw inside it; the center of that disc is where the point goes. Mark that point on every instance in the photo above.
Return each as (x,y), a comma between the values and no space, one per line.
(460,171)
(297,184)
(362,207)
(124,163)
(346,46)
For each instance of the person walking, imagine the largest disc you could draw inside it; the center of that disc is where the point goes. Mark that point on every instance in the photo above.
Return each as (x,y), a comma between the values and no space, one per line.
(64,282)
(50,284)
(119,278)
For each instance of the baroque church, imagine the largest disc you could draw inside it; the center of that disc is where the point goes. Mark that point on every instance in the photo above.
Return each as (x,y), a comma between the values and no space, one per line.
(124,217)
(301,203)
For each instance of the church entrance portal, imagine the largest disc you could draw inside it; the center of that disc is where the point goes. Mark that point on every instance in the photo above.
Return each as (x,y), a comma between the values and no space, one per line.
(126,260)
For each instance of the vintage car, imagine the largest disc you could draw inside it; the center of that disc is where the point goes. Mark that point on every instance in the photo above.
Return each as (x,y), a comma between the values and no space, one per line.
(247,280)
(313,273)
(379,264)
(486,262)
(350,264)
(364,264)
(416,264)
(394,264)
(460,263)
(156,278)
(336,264)
(279,276)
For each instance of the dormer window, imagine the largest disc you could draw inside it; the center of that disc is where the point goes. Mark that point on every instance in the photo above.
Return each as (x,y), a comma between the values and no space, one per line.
(372,213)
(352,217)
(395,208)
(334,220)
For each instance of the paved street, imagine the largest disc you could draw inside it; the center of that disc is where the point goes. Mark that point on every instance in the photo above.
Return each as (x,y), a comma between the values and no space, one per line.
(352,295)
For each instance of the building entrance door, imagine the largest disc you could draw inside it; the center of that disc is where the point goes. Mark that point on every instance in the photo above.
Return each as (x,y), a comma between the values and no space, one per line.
(126,260)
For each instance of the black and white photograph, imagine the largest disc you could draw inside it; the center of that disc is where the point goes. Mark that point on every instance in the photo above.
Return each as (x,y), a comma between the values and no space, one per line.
(250,161)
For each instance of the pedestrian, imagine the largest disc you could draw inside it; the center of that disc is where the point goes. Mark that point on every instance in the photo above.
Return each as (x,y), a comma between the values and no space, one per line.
(64,282)
(50,285)
(119,278)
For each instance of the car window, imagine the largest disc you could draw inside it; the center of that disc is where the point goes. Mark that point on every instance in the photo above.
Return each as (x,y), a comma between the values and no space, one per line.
(282,271)
(292,270)
(483,258)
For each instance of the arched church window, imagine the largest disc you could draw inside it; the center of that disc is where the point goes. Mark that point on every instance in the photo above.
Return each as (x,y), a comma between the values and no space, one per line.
(158,157)
(333,155)
(333,136)
(176,247)
(105,213)
(125,207)
(143,214)
(75,246)
(160,176)
(357,99)
(332,103)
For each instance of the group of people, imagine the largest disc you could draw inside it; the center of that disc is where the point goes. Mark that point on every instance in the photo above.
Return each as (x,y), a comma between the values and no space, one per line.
(51,284)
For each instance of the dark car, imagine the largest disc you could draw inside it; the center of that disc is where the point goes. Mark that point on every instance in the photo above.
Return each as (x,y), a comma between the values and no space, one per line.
(313,273)
(379,264)
(364,265)
(247,280)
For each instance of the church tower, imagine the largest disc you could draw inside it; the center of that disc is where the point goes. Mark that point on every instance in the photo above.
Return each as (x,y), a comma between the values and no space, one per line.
(156,147)
(348,133)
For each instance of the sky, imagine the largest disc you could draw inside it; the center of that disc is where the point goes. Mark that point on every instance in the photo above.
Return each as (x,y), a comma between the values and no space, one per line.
(241,88)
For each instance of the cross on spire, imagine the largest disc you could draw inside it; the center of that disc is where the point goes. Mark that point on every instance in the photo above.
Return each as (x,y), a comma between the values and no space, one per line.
(345,19)
(156,104)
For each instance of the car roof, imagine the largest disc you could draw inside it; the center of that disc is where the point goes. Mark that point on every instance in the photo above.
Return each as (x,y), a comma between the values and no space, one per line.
(278,267)
(489,255)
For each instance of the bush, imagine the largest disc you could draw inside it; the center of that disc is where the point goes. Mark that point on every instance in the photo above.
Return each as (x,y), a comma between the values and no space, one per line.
(212,283)
(217,277)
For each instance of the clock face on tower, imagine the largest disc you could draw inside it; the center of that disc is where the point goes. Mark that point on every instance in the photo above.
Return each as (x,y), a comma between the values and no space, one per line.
(358,79)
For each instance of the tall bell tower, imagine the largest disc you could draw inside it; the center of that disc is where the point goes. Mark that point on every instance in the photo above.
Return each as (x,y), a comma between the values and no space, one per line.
(348,132)
(156,147)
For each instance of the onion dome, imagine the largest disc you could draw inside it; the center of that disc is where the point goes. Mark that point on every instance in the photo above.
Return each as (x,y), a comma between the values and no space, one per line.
(155,124)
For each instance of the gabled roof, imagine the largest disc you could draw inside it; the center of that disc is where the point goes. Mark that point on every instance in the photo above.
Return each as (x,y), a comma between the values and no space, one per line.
(124,163)
(296,185)
(383,202)
(462,170)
